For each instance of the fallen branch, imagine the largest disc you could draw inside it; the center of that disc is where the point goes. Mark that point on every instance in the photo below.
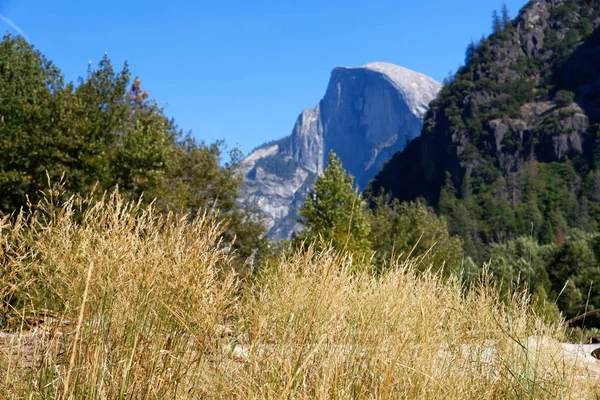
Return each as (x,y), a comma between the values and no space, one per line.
(582,316)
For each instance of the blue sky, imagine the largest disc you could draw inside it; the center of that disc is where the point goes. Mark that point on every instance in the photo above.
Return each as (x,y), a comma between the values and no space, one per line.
(242,71)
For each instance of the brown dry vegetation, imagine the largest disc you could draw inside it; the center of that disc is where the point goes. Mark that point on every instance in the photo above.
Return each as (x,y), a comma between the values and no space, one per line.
(147,306)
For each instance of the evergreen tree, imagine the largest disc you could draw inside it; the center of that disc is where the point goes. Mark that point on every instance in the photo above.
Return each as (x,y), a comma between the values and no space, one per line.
(595,179)
(570,300)
(449,78)
(496,22)
(448,199)
(333,213)
(574,262)
(470,52)
(583,216)
(564,98)
(532,217)
(547,310)
(25,81)
(505,16)
(520,263)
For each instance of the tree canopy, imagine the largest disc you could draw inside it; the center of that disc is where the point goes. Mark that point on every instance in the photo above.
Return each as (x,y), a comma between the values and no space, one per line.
(410,228)
(106,131)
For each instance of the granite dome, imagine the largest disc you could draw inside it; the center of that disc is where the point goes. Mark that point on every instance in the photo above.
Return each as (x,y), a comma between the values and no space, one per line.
(368,113)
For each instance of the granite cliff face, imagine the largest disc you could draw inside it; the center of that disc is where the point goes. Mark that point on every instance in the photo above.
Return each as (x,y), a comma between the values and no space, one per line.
(368,113)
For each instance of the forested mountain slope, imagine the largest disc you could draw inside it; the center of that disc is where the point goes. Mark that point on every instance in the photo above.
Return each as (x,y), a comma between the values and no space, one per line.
(509,146)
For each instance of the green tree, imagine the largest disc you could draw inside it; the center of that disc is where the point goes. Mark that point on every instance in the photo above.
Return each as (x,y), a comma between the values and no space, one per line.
(470,52)
(400,229)
(574,264)
(448,199)
(505,16)
(106,131)
(496,22)
(519,263)
(547,310)
(196,178)
(570,300)
(333,213)
(564,98)
(25,81)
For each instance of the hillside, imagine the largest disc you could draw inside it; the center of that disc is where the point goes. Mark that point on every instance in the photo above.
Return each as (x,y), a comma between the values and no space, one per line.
(367,114)
(508,147)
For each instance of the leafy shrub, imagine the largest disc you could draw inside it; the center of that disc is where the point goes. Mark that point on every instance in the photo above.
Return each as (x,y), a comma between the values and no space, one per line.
(564,98)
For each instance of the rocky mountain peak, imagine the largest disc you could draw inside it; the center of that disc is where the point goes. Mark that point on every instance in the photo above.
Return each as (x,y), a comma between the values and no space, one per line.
(367,114)
(416,88)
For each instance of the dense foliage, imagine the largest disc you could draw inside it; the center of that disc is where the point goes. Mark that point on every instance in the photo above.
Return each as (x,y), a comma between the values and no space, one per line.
(410,229)
(536,199)
(106,131)
(564,272)
(497,201)
(335,215)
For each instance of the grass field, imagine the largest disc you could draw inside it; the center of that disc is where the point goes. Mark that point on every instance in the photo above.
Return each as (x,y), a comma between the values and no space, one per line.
(103,299)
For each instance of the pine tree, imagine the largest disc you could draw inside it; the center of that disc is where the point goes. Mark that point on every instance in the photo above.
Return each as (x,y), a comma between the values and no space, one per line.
(532,216)
(449,78)
(596,186)
(496,22)
(333,213)
(583,216)
(25,143)
(448,200)
(470,52)
(505,17)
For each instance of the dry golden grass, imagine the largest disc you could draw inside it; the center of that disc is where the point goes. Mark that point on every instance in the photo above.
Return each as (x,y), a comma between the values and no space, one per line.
(145,306)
